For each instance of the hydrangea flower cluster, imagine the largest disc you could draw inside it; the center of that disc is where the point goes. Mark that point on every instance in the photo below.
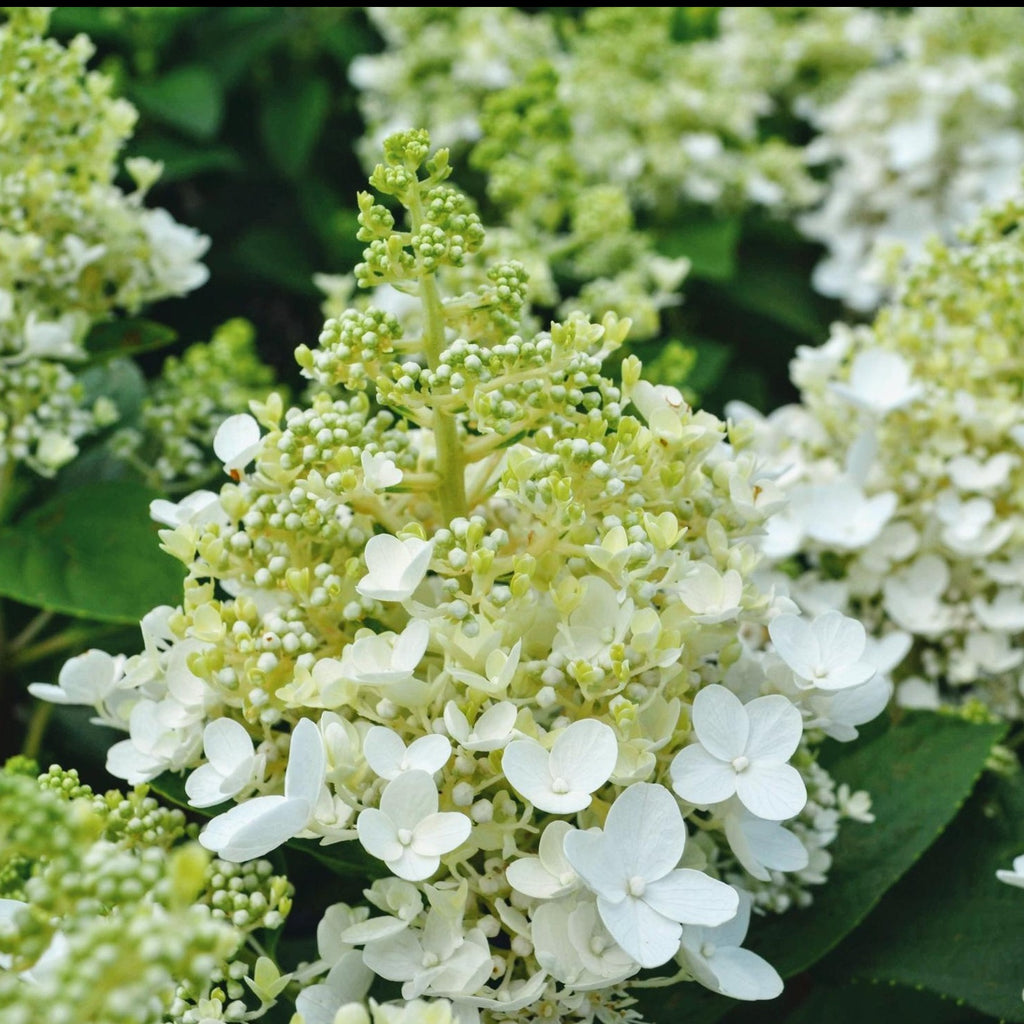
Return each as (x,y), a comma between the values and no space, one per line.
(586,141)
(918,143)
(109,913)
(173,442)
(904,468)
(486,617)
(75,247)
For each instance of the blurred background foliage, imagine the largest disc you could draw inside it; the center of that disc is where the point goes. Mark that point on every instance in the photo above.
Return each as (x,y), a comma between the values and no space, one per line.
(251,112)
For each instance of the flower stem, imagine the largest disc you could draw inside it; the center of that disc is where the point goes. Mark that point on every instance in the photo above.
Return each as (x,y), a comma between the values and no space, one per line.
(37,729)
(451,470)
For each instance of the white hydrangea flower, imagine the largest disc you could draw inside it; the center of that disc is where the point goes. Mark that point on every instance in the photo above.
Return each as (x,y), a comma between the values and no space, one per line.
(718,962)
(257,826)
(1014,877)
(826,653)
(90,679)
(742,749)
(549,874)
(491,731)
(561,780)
(408,832)
(395,568)
(237,442)
(643,898)
(232,764)
(388,756)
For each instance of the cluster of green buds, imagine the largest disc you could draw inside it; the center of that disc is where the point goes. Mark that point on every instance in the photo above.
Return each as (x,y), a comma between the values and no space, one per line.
(171,442)
(75,248)
(110,912)
(482,619)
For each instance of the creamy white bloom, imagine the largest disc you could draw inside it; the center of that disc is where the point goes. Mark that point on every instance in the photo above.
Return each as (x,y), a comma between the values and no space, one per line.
(257,826)
(880,382)
(88,679)
(718,962)
(642,897)
(379,471)
(762,846)
(492,730)
(385,658)
(826,653)
(389,757)
(236,442)
(348,981)
(408,832)
(742,749)
(196,509)
(562,780)
(549,874)
(395,568)
(232,764)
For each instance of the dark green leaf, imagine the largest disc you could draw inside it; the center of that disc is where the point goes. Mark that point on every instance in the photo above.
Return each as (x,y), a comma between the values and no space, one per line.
(275,255)
(188,98)
(919,773)
(709,243)
(93,553)
(950,925)
(291,121)
(781,292)
(115,338)
(855,1004)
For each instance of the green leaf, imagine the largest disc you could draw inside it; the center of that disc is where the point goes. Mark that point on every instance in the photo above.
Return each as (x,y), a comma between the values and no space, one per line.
(275,255)
(780,292)
(188,98)
(291,121)
(855,1004)
(116,338)
(950,926)
(92,552)
(919,773)
(709,243)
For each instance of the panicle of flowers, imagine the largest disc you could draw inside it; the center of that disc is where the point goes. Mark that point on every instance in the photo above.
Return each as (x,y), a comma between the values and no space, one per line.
(108,911)
(172,442)
(904,469)
(487,616)
(76,248)
(916,145)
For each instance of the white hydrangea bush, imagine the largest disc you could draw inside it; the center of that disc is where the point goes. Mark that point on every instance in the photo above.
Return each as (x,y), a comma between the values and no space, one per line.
(916,145)
(489,619)
(74,247)
(903,464)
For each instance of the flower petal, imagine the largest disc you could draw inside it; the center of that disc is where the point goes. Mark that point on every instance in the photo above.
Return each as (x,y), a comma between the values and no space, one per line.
(255,828)
(440,833)
(525,764)
(205,787)
(794,643)
(585,851)
(771,791)
(378,834)
(409,798)
(691,897)
(741,974)
(383,749)
(701,778)
(648,937)
(307,763)
(584,755)
(776,726)
(645,828)
(720,722)
(226,744)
